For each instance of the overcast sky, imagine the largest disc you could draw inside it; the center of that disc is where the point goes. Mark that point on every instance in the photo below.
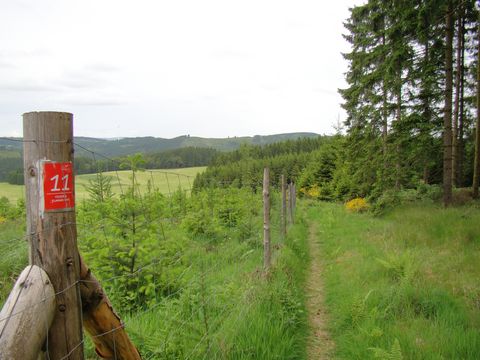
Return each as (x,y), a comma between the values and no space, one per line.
(167,68)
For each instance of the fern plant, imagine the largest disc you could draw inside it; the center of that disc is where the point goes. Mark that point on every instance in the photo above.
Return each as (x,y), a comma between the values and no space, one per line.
(395,352)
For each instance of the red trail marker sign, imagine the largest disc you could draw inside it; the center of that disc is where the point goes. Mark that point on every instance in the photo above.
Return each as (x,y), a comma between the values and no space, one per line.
(58,188)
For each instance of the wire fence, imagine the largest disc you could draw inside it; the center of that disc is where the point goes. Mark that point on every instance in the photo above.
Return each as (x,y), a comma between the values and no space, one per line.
(172,262)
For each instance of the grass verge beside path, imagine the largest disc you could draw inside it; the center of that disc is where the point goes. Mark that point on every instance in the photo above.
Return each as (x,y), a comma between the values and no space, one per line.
(404,286)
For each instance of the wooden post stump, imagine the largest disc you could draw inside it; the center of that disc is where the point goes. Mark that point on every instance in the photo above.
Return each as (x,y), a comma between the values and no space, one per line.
(27,315)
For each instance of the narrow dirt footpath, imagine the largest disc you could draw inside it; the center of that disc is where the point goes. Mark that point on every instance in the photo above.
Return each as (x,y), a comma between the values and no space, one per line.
(319,346)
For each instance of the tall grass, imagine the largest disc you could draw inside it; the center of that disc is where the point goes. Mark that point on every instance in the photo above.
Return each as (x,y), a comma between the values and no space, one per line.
(250,314)
(402,286)
(14,254)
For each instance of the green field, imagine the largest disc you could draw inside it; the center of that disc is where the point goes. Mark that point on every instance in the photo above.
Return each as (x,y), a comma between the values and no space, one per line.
(12,192)
(165,180)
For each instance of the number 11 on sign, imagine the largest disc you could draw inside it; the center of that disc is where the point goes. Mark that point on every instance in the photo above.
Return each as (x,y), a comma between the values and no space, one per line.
(64,180)
(58,186)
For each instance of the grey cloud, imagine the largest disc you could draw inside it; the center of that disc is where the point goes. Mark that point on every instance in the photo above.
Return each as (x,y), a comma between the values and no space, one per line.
(101,67)
(93,102)
(78,83)
(296,25)
(6,64)
(26,87)
(21,54)
(91,76)
(230,54)
(325,91)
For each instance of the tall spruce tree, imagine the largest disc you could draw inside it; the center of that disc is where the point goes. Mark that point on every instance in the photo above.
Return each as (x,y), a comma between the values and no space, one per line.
(399,94)
(447,122)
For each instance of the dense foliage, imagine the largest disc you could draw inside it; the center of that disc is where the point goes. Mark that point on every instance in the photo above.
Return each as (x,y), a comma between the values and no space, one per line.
(10,162)
(400,128)
(244,167)
(187,270)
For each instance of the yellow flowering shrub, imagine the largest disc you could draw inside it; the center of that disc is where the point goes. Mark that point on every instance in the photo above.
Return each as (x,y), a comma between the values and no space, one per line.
(311,192)
(2,219)
(357,205)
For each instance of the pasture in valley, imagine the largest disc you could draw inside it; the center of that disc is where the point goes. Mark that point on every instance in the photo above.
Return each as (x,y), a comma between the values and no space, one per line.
(165,180)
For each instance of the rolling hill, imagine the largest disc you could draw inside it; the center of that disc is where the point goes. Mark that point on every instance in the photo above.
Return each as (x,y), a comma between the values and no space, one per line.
(128,145)
(11,151)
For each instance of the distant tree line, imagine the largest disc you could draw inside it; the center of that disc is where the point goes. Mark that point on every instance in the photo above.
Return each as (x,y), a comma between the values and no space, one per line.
(10,164)
(11,168)
(244,167)
(168,159)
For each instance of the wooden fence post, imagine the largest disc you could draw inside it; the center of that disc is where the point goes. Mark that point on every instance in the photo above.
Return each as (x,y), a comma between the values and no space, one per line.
(294,201)
(284,207)
(289,207)
(26,316)
(48,164)
(266,219)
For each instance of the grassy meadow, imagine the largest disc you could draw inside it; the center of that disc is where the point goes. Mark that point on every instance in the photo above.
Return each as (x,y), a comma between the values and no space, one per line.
(166,180)
(404,285)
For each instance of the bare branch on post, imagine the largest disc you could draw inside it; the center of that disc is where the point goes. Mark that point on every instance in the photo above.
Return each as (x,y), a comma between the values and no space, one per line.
(101,322)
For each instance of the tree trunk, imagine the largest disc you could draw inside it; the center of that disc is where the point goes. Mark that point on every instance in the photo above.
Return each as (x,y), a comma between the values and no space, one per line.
(426,112)
(476,167)
(399,118)
(456,108)
(447,120)
(384,123)
(461,143)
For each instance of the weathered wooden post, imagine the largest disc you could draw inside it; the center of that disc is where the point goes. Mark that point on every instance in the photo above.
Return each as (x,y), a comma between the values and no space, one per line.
(266,219)
(26,316)
(293,201)
(289,207)
(284,207)
(50,202)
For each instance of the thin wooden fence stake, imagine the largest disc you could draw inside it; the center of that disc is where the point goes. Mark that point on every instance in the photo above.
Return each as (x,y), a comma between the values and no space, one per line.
(284,207)
(266,219)
(294,201)
(289,207)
